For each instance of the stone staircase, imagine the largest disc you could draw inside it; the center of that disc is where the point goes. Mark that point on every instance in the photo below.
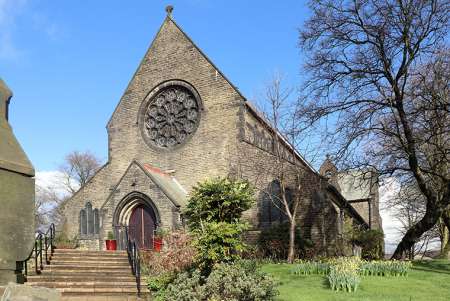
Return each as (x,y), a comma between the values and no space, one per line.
(89,273)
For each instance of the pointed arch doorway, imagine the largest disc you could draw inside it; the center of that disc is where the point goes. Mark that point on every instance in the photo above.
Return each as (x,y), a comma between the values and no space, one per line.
(141,226)
(137,213)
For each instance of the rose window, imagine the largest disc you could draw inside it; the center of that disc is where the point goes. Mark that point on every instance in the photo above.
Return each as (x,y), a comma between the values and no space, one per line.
(171,117)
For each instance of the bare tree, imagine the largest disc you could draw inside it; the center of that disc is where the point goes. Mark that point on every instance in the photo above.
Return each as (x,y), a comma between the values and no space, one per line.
(410,206)
(278,168)
(47,199)
(365,60)
(77,169)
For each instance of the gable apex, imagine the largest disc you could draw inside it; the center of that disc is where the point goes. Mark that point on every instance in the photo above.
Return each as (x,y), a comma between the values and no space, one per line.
(167,22)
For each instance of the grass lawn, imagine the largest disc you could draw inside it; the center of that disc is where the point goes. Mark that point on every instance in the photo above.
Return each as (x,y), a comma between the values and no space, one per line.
(427,281)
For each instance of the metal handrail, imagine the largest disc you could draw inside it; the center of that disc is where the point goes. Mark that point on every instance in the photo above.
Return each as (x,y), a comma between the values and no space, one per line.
(42,242)
(135,259)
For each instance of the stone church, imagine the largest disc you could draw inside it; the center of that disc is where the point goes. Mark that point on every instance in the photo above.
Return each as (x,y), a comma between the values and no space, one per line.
(180,121)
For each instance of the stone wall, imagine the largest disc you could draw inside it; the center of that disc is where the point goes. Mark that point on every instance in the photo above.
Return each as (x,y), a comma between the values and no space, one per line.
(229,140)
(318,216)
(172,56)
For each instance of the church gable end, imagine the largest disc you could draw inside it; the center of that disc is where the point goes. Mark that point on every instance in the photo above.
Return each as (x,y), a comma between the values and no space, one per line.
(153,124)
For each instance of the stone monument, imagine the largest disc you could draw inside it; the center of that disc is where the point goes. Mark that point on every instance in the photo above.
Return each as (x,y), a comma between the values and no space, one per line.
(16,198)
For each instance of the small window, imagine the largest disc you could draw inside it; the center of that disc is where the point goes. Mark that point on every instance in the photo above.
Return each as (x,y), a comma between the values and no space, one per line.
(83,222)
(96,222)
(89,220)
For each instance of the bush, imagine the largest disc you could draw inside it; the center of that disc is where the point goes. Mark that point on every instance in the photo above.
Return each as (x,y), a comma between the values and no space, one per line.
(240,281)
(186,287)
(62,241)
(237,281)
(213,214)
(159,281)
(218,200)
(371,242)
(273,242)
(218,242)
(160,269)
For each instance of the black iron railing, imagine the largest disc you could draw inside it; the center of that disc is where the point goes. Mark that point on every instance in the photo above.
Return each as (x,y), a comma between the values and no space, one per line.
(135,259)
(42,243)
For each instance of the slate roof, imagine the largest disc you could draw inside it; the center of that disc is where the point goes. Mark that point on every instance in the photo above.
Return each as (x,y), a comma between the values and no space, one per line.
(168,184)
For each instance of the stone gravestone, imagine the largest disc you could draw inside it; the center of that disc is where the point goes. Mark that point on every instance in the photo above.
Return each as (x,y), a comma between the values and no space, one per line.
(16,198)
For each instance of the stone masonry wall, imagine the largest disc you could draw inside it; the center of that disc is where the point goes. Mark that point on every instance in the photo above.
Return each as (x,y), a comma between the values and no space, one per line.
(318,217)
(171,56)
(228,141)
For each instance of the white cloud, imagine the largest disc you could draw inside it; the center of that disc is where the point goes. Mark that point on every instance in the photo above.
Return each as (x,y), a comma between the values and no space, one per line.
(391,224)
(51,180)
(9,10)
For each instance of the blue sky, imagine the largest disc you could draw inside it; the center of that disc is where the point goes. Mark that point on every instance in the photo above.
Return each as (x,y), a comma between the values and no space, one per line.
(68,62)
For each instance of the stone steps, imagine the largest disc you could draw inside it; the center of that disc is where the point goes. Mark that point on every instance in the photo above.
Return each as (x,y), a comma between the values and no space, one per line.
(87,273)
(86,284)
(110,291)
(86,266)
(62,252)
(80,277)
(93,273)
(89,258)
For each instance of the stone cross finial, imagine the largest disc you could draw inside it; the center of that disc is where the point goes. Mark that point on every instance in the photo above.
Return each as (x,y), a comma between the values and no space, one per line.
(169,10)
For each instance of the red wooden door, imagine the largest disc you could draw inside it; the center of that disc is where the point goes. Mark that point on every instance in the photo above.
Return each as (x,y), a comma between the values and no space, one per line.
(141,226)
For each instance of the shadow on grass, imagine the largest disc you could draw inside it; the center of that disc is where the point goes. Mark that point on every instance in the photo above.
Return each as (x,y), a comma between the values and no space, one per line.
(435,266)
(325,283)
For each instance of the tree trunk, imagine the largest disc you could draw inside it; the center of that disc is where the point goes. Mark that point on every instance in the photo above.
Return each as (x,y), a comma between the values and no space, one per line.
(414,233)
(291,253)
(445,253)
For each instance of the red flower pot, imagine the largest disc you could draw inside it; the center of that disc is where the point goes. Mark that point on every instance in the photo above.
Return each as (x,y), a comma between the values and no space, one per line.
(157,244)
(111,245)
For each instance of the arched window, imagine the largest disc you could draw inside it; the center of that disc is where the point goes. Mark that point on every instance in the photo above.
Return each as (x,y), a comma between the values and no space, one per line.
(89,220)
(96,221)
(83,222)
(272,207)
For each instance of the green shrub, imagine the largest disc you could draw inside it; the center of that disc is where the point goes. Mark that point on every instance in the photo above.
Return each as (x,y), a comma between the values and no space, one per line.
(110,235)
(159,282)
(218,242)
(218,200)
(371,242)
(186,287)
(273,242)
(62,241)
(159,269)
(213,214)
(239,281)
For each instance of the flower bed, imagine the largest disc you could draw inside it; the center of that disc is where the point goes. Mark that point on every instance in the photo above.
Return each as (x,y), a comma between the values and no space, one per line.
(344,273)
